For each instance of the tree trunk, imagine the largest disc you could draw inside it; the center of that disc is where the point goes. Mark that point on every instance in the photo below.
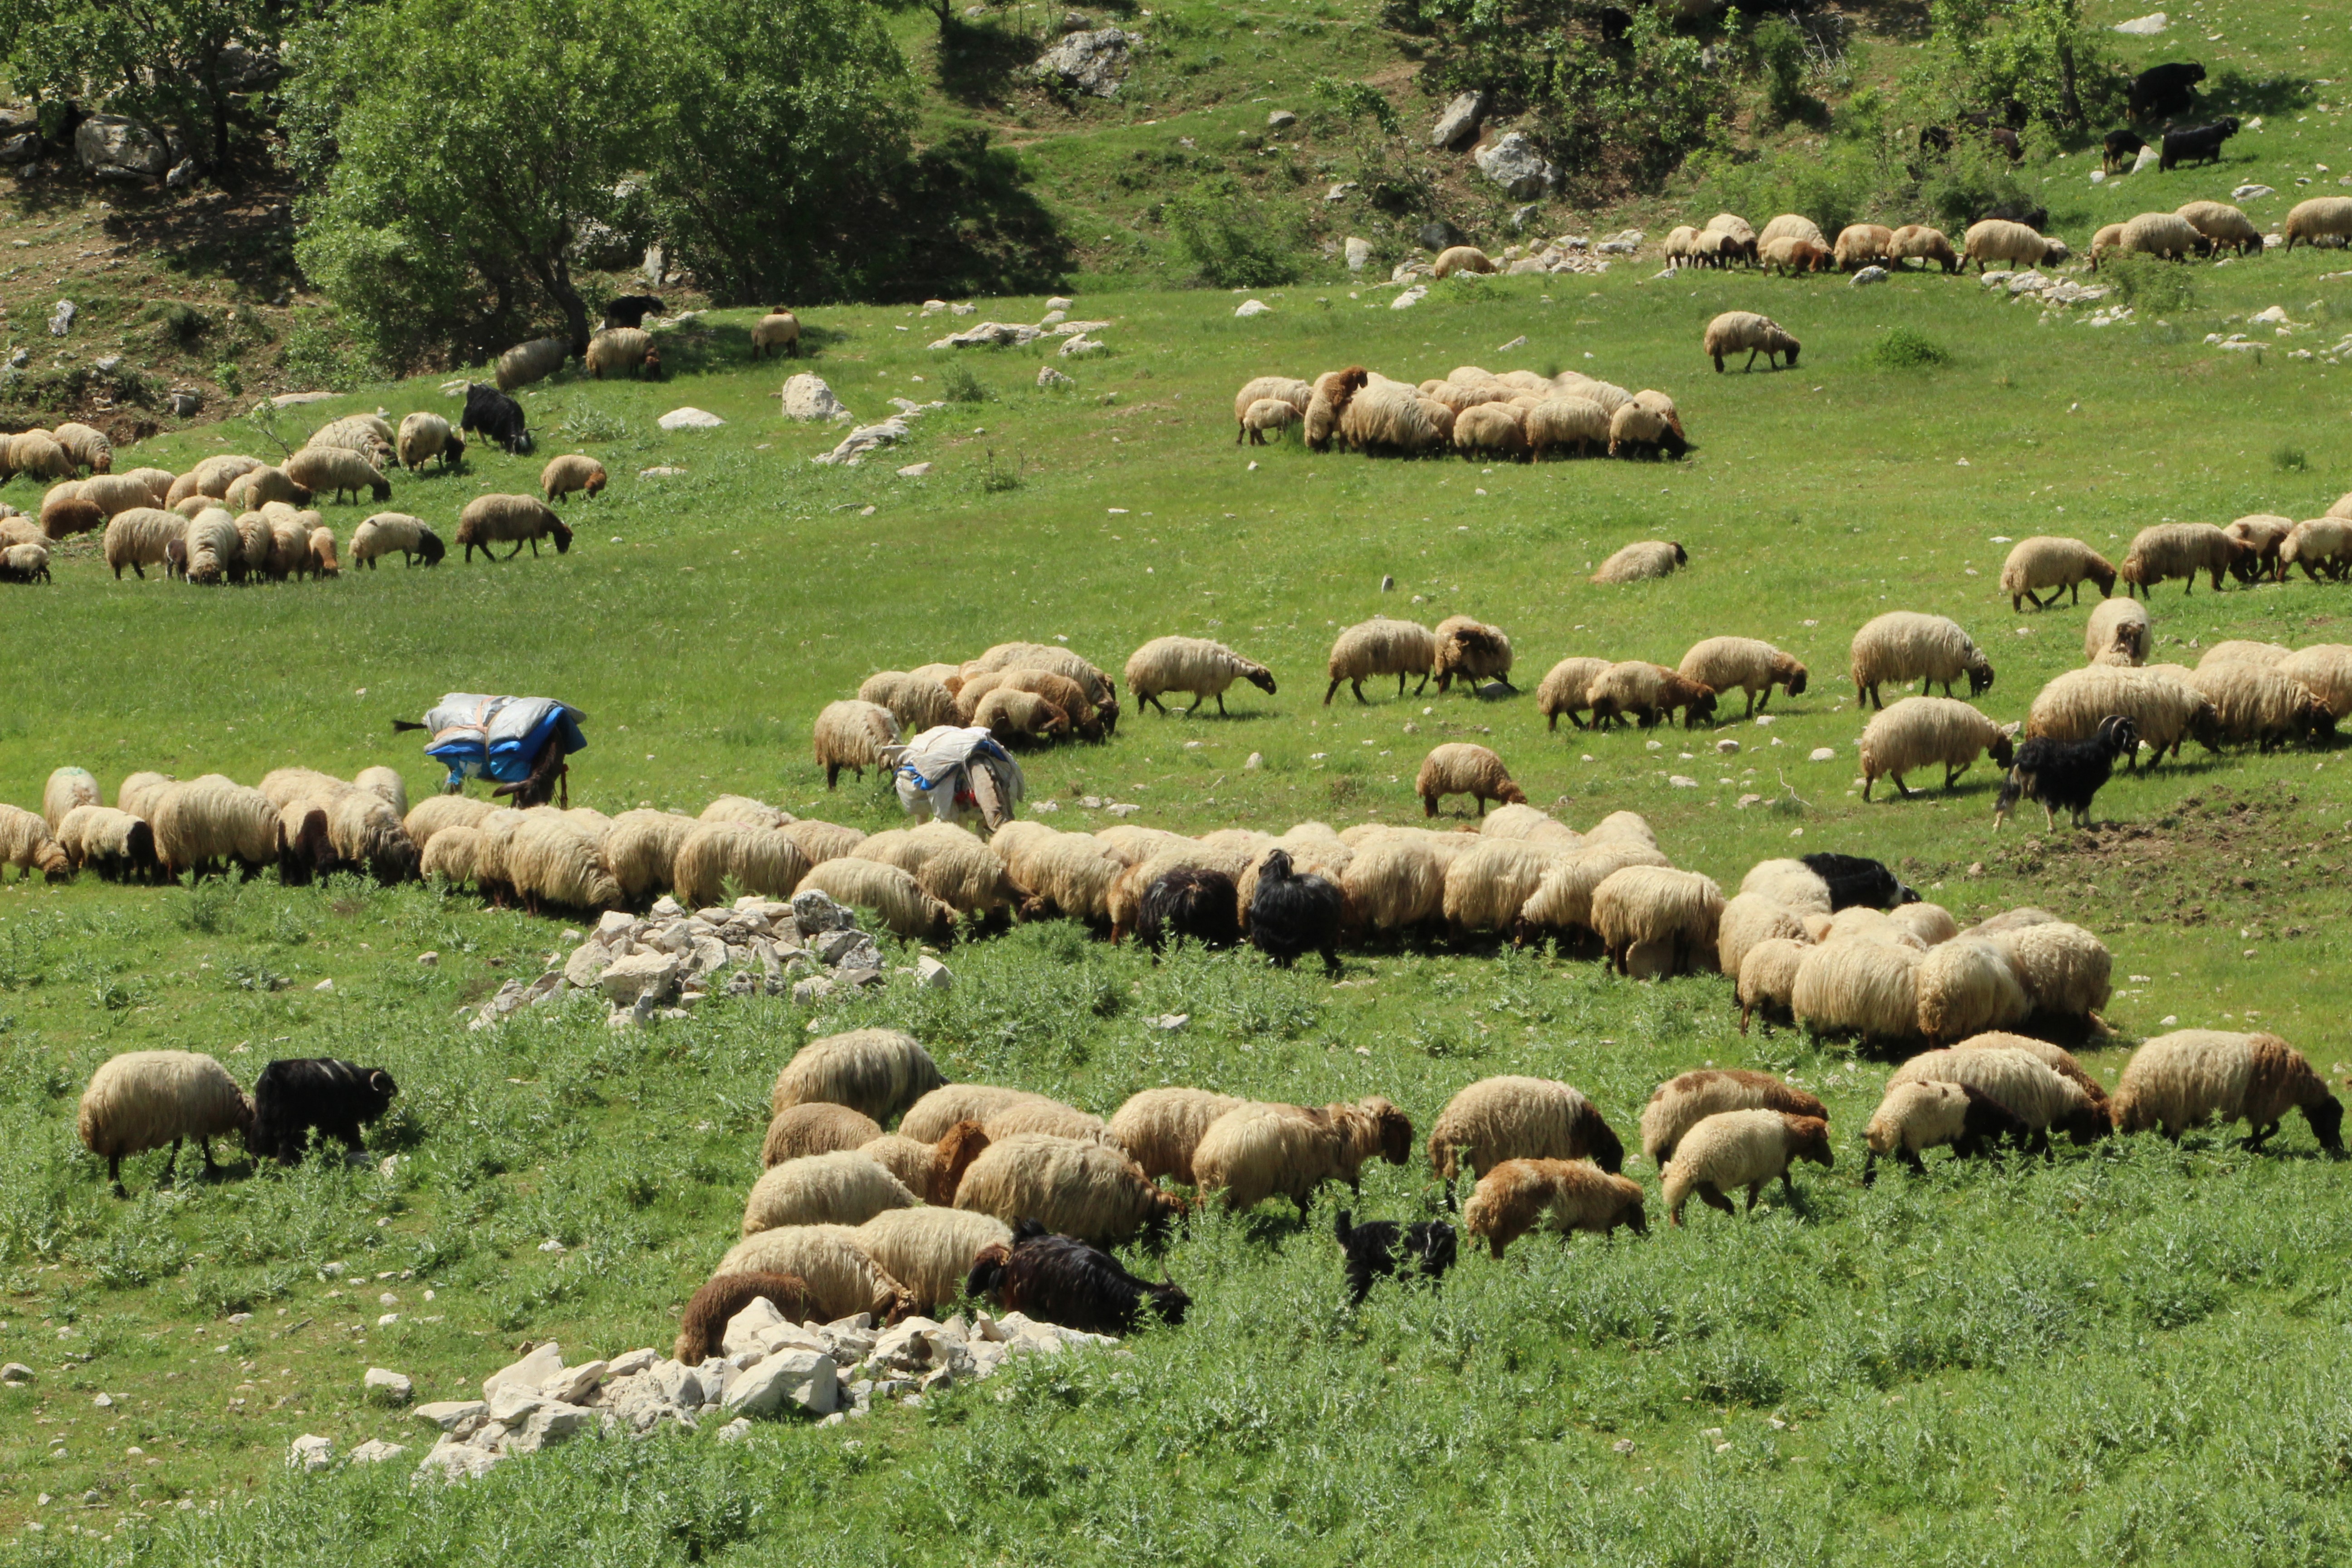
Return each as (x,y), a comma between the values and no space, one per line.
(2070,104)
(557,277)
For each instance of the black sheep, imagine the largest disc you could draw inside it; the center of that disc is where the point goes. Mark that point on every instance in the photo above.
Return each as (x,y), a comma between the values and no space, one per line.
(2002,137)
(1292,914)
(2067,773)
(308,852)
(297,1093)
(2033,215)
(137,862)
(495,416)
(2201,144)
(1061,1279)
(2120,145)
(631,309)
(1189,902)
(1854,879)
(2166,90)
(1383,1246)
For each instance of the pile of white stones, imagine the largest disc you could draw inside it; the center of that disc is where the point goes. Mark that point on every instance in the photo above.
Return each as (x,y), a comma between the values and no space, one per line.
(664,964)
(2055,292)
(767,1367)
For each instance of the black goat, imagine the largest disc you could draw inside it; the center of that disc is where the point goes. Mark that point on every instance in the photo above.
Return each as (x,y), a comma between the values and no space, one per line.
(2165,89)
(495,415)
(1189,902)
(2002,137)
(2067,773)
(1061,1279)
(297,1093)
(2200,144)
(1293,913)
(631,309)
(2120,145)
(1383,1246)
(2033,215)
(1856,879)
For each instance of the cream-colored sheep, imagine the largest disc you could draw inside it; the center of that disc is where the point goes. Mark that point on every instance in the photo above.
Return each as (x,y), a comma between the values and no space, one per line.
(2018,1081)
(2224,226)
(877,1072)
(931,1118)
(1280,388)
(841,1188)
(1656,920)
(1642,562)
(2182,550)
(1744,664)
(1457,259)
(756,859)
(1514,1118)
(2117,632)
(1915,1117)
(843,1279)
(917,702)
(424,437)
(2176,1081)
(2066,970)
(1460,768)
(141,537)
(852,735)
(1566,689)
(1860,243)
(776,330)
(1734,1149)
(67,788)
(203,824)
(1160,1128)
(1904,646)
(534,361)
(1267,414)
(1748,919)
(1868,989)
(1195,665)
(1999,240)
(503,519)
(1259,1151)
(1792,884)
(1487,884)
(817,1127)
(1377,648)
(1649,694)
(573,472)
(1075,1187)
(2255,702)
(2166,234)
(894,897)
(618,350)
(931,1251)
(2166,709)
(1562,422)
(1768,979)
(1927,731)
(2320,217)
(26,844)
(1967,986)
(324,470)
(2048,562)
(144,1099)
(2320,545)
(1562,901)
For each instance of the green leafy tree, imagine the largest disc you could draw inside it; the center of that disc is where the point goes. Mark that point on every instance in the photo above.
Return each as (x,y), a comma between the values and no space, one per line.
(465,147)
(2036,54)
(185,69)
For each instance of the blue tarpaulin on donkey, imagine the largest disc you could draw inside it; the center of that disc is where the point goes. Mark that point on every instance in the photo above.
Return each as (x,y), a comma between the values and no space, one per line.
(512,740)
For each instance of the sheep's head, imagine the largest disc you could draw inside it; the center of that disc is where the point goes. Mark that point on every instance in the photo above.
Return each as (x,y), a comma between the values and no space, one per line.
(2003,750)
(429,546)
(1275,867)
(952,1155)
(1601,1144)
(2326,1115)
(1631,1212)
(1263,679)
(51,859)
(1986,1118)
(2204,726)
(2104,576)
(1395,1129)
(1809,1139)
(653,363)
(562,537)
(1168,1300)
(2087,1122)
(1509,793)
(1979,673)
(1701,707)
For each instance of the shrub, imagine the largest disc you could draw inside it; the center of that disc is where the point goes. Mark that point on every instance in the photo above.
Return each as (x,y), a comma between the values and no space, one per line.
(1233,240)
(2150,283)
(957,385)
(1902,349)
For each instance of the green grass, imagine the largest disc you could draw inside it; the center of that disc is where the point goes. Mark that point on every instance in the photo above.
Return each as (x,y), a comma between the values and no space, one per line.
(2125,1354)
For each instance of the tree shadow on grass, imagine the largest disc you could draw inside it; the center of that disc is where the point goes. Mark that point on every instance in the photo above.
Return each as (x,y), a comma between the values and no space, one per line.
(975,63)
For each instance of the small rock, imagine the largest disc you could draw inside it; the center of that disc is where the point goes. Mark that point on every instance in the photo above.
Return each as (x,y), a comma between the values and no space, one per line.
(803,1377)
(690,419)
(933,975)
(655,974)
(429,959)
(574,1383)
(806,397)
(458,1415)
(1410,298)
(1171,1023)
(184,174)
(2149,158)
(1359,254)
(324,985)
(735,1431)
(1049,378)
(1281,119)
(311,1453)
(16,1374)
(2146,27)
(2250,192)
(1256,761)
(1866,277)
(914,470)
(1253,307)
(104,1401)
(184,405)
(810,991)
(1823,754)
(1457,127)
(374,1451)
(529,1373)
(388,1387)
(1622,1446)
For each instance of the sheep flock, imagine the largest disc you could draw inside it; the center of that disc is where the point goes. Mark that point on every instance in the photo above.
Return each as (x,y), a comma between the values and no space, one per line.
(1517,415)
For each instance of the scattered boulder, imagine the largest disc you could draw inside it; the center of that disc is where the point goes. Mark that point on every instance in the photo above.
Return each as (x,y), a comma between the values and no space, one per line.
(1517,165)
(110,147)
(311,1453)
(1457,127)
(690,419)
(1253,307)
(806,397)
(1868,275)
(376,1451)
(388,1387)
(1359,254)
(1281,119)
(1088,62)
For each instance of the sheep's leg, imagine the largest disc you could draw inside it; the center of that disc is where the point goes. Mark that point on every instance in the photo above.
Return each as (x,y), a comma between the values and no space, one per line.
(516,550)
(1870,1167)
(114,1173)
(1330,692)
(1416,690)
(1357,686)
(1713,1198)
(172,1164)
(1755,1190)
(1911,1158)
(832,775)
(1220,705)
(1751,363)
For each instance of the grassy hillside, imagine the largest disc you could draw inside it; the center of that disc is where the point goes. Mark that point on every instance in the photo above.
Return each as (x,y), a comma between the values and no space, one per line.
(2115,1354)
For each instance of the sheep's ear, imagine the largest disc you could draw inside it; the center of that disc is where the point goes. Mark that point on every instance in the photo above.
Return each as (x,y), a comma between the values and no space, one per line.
(2011,729)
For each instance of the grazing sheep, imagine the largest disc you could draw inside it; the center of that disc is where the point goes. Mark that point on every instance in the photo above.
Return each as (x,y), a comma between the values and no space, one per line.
(842,1279)
(202,824)
(1790,255)
(1396,882)
(2045,562)
(1649,694)
(1922,731)
(1061,1279)
(623,350)
(2264,534)
(702,1327)
(2165,235)
(2022,1084)
(2165,710)
(1381,646)
(35,454)
(1189,903)
(930,1250)
(330,469)
(1471,651)
(1460,768)
(1643,561)
(841,1188)
(113,493)
(1195,665)
(1259,1151)
(1793,884)
(1682,1103)
(1565,1196)
(1737,330)
(1768,979)
(2118,634)
(571,472)
(2224,226)
(2320,217)
(1866,989)
(1792,226)
(852,735)
(116,844)
(1750,918)
(139,794)
(1160,1128)
(879,1072)
(1076,1186)
(1011,715)
(1734,1149)
(1389,419)
(499,518)
(1487,431)
(1861,244)
(2066,972)
(1294,913)
(896,897)
(1555,423)
(88,446)
(1509,1118)
(534,361)
(917,702)
(1968,985)
(1266,413)
(2255,702)
(1562,901)
(1917,242)
(492,414)
(249,491)
(67,788)
(1732,227)
(1999,239)
(2182,550)
(439,813)
(2055,1058)
(932,1117)
(1069,873)
(2105,242)
(1655,921)
(2319,545)
(63,516)
(1565,689)
(759,861)
(553,861)
(141,537)
(821,841)
(1746,664)
(387,531)
(424,437)
(1486,885)
(1284,389)
(1904,646)
(816,1127)
(143,1099)
(2176,1081)
(26,844)
(1383,1249)
(1460,258)
(2324,669)
(294,1094)
(1915,1117)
